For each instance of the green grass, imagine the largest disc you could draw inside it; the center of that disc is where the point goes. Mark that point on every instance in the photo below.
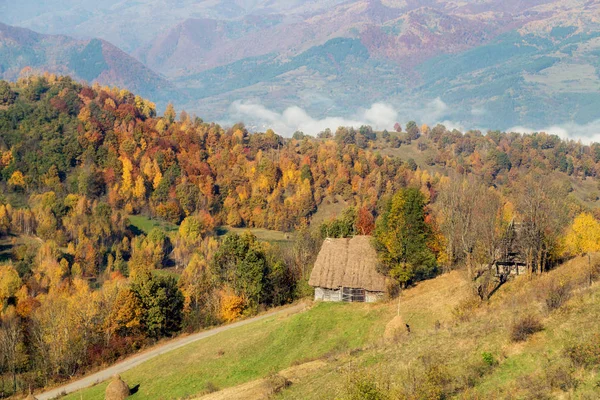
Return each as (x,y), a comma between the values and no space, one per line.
(330,208)
(10,242)
(349,338)
(253,351)
(6,247)
(145,224)
(265,235)
(168,272)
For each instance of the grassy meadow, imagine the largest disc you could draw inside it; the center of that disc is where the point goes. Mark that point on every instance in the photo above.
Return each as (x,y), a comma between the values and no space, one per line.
(457,347)
(253,351)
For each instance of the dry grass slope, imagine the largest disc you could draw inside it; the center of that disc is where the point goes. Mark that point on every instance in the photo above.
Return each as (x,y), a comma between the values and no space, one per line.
(461,348)
(457,347)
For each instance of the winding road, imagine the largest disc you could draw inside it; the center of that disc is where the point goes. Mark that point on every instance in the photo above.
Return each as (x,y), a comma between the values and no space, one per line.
(135,360)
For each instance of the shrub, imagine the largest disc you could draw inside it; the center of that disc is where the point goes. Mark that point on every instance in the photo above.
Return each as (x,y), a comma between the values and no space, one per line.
(430,380)
(557,296)
(556,375)
(535,386)
(489,359)
(560,376)
(364,385)
(525,327)
(586,353)
(465,309)
(210,388)
(276,383)
(473,370)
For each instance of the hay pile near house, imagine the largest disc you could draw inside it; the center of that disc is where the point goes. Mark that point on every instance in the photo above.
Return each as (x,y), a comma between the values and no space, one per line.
(117,389)
(346,270)
(394,329)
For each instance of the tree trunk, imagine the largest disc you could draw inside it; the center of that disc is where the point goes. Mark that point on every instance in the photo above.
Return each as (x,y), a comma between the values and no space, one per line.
(590,268)
(469,265)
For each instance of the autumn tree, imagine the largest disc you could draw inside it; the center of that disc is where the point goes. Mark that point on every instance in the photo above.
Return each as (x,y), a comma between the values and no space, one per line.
(170,113)
(162,304)
(197,284)
(343,226)
(241,263)
(365,222)
(583,237)
(12,349)
(126,315)
(402,237)
(7,96)
(10,282)
(412,130)
(471,220)
(541,205)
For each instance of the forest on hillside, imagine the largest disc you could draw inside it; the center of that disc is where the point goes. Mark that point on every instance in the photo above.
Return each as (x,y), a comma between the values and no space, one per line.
(82,286)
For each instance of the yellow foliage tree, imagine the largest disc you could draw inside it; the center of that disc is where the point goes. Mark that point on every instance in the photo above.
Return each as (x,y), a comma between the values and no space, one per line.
(4,219)
(9,282)
(126,316)
(157,175)
(232,305)
(583,237)
(17,179)
(139,191)
(127,184)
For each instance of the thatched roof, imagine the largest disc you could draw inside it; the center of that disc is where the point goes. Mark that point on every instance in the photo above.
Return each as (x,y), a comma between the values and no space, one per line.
(347,263)
(117,389)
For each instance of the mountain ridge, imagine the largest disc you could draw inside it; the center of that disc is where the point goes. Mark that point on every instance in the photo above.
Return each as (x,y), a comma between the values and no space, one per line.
(490,64)
(93,60)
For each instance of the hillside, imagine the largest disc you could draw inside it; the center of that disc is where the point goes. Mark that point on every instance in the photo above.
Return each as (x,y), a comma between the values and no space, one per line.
(120,228)
(528,65)
(92,60)
(337,350)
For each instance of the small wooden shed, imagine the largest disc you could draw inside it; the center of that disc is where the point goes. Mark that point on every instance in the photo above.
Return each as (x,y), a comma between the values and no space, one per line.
(509,257)
(346,270)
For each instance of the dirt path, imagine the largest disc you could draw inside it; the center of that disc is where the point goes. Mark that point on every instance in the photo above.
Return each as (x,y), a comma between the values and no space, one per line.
(135,360)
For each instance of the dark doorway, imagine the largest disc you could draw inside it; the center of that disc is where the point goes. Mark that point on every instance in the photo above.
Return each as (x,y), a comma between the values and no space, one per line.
(353,295)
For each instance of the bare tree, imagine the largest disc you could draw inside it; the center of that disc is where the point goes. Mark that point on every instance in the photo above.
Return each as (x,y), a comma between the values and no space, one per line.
(542,207)
(471,220)
(10,340)
(470,215)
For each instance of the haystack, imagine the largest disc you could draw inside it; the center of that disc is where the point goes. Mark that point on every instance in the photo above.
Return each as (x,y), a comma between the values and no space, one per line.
(394,329)
(347,263)
(117,389)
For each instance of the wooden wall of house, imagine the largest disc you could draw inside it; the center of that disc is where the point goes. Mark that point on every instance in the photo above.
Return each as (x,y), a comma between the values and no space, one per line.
(372,297)
(324,294)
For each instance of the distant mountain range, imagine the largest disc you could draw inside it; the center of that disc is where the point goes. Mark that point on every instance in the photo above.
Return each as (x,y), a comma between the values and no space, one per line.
(487,64)
(93,60)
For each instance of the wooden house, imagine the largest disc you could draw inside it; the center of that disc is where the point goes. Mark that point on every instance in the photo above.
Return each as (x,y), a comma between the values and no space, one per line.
(346,270)
(510,260)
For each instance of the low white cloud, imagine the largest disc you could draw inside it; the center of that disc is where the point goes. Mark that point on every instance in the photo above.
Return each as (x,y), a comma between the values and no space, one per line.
(383,116)
(587,133)
(379,116)
(434,110)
